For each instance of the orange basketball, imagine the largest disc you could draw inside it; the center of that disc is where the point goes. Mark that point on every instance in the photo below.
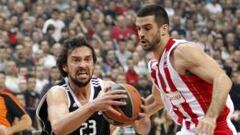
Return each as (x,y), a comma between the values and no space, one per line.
(130,111)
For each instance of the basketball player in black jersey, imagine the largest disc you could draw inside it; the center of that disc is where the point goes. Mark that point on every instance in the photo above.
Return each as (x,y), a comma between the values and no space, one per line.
(75,105)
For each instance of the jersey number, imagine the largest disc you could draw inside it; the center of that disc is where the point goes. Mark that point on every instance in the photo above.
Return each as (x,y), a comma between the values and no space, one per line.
(91,125)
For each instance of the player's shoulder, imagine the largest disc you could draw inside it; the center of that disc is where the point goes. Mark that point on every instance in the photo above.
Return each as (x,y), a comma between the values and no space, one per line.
(186,49)
(56,91)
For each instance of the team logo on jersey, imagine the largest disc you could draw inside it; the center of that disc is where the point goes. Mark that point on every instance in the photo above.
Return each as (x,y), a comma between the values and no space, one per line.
(175,97)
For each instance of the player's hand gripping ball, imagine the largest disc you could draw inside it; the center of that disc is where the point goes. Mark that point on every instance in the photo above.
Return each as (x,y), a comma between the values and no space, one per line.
(130,111)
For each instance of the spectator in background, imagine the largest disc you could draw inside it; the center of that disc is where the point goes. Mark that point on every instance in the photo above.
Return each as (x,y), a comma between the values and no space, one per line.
(22,22)
(41,78)
(22,58)
(121,30)
(12,80)
(48,59)
(176,26)
(56,49)
(235,98)
(122,53)
(144,86)
(3,59)
(49,34)
(56,22)
(131,75)
(164,124)
(54,78)
(110,62)
(32,99)
(213,7)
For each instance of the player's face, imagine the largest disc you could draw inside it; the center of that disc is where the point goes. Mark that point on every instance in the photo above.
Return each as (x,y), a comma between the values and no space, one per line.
(148,32)
(80,66)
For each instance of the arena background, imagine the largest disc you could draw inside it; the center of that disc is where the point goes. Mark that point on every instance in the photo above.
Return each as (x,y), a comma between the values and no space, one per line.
(32,33)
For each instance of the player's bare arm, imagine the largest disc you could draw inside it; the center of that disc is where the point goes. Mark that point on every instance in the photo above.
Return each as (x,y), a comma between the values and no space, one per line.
(191,58)
(65,122)
(153,102)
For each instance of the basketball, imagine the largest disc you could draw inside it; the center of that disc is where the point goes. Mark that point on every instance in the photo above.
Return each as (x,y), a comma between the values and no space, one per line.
(130,111)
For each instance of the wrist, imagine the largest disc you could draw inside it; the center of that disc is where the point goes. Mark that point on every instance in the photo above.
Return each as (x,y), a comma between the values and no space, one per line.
(211,115)
(142,126)
(92,107)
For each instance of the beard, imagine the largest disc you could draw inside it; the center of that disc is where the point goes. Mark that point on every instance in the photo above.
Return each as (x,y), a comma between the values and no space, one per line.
(78,82)
(150,46)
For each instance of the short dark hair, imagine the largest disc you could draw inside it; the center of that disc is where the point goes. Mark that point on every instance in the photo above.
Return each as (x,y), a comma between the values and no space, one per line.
(160,14)
(68,46)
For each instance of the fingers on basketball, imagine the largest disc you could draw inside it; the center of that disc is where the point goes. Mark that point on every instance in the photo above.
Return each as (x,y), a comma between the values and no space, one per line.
(129,112)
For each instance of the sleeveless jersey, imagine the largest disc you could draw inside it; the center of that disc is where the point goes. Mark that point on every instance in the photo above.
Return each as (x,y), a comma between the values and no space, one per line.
(186,97)
(95,125)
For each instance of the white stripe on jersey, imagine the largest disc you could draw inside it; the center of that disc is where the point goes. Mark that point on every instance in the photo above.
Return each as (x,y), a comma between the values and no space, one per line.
(230,106)
(186,93)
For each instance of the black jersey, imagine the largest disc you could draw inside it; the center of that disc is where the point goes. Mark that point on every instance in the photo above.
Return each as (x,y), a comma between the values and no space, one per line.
(95,125)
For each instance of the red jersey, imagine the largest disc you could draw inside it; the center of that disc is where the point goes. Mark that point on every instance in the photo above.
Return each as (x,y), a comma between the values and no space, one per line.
(186,97)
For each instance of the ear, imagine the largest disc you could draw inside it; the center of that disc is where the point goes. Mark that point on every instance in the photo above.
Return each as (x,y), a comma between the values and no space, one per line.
(65,68)
(164,29)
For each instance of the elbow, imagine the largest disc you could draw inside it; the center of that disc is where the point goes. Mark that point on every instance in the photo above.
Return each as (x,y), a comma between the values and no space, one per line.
(228,81)
(57,130)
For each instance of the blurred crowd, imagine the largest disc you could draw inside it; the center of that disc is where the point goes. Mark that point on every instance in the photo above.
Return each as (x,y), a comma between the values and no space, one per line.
(33,31)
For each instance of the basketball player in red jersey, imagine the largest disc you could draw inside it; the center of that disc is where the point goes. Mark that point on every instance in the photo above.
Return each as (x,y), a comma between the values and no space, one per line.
(187,82)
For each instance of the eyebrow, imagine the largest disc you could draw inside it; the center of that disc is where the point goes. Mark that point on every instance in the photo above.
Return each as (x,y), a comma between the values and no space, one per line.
(145,25)
(80,56)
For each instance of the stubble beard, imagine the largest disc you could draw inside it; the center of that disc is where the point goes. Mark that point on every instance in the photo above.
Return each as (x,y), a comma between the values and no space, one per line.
(80,83)
(154,44)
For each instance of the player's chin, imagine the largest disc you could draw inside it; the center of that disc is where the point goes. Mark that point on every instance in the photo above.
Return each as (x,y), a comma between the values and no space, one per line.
(83,79)
(145,46)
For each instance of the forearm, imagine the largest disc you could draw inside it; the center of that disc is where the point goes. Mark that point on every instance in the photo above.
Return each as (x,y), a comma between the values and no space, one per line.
(24,123)
(73,120)
(142,126)
(153,108)
(152,105)
(221,88)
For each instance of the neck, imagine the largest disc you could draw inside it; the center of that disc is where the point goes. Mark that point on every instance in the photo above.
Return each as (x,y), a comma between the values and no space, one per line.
(162,44)
(82,93)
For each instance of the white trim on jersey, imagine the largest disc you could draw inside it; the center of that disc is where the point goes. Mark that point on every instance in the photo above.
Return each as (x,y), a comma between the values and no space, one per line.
(92,92)
(230,106)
